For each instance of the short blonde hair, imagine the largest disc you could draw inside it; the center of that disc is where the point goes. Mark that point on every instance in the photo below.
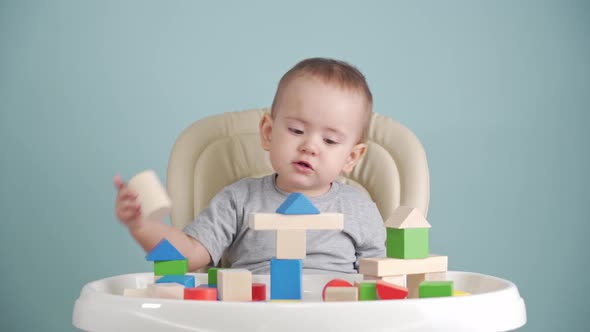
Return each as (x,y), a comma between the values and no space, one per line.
(331,71)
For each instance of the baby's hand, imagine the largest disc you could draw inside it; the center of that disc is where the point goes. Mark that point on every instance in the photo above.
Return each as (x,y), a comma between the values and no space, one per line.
(127,207)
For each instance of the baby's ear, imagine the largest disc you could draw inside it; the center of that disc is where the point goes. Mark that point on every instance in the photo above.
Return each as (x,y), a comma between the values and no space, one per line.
(355,155)
(265,128)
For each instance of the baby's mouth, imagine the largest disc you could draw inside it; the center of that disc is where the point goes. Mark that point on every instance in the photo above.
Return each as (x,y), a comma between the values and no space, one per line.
(304,164)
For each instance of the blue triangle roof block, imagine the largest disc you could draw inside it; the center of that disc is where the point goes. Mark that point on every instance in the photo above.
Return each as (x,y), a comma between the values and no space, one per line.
(164,251)
(297,203)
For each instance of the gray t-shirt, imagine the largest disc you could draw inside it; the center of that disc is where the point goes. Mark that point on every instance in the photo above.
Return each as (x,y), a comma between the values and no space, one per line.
(223,227)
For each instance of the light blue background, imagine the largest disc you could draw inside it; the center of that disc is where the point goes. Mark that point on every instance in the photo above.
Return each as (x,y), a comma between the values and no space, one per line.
(498,92)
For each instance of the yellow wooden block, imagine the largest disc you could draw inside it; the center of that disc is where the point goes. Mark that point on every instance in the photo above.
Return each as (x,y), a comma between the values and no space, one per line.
(276,221)
(291,244)
(381,267)
(457,292)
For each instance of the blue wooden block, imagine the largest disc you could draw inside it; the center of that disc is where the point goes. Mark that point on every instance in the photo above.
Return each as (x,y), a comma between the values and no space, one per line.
(185,280)
(297,203)
(164,251)
(285,279)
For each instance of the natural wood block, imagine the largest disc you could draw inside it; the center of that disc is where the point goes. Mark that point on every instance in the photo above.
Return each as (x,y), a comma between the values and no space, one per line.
(414,281)
(406,217)
(396,280)
(275,221)
(234,285)
(339,294)
(166,291)
(291,243)
(380,267)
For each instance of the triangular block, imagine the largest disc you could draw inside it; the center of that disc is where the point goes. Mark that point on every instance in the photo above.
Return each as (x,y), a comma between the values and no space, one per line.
(407,217)
(164,251)
(297,203)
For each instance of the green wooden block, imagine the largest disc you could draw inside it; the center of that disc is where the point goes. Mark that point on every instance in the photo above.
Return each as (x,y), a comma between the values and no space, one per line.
(367,291)
(407,243)
(176,267)
(435,289)
(212,276)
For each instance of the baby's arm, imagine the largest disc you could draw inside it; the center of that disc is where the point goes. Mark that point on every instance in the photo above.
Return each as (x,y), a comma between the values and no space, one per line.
(149,232)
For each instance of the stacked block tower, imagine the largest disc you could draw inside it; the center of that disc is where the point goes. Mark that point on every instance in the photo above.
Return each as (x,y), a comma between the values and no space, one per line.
(291,221)
(408,260)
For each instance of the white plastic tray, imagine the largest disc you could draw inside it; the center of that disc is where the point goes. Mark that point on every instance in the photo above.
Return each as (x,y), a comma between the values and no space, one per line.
(495,305)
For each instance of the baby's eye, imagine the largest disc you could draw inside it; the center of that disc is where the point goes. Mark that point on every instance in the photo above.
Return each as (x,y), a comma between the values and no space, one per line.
(296,131)
(329,141)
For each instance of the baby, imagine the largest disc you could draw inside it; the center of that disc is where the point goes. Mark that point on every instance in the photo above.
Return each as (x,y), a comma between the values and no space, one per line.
(317,129)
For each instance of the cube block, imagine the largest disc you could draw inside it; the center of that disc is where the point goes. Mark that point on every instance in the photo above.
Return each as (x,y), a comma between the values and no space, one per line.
(285,279)
(408,243)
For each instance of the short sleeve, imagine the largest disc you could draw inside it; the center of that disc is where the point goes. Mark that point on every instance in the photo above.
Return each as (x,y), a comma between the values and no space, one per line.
(216,226)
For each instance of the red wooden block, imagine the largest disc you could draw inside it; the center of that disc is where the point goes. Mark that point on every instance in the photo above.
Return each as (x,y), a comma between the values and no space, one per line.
(200,293)
(258,292)
(335,283)
(389,291)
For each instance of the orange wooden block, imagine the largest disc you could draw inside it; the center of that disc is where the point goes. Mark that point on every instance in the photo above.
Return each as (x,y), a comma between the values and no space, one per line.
(388,291)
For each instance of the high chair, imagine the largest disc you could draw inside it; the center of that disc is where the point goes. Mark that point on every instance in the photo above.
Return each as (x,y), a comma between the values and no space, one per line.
(219,150)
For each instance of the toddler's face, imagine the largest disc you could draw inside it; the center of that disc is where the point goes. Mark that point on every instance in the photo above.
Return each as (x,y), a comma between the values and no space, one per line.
(314,135)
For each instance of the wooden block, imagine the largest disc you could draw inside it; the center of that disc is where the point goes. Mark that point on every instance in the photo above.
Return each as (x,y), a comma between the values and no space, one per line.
(413,282)
(164,251)
(258,292)
(335,283)
(212,276)
(135,292)
(175,267)
(380,267)
(367,290)
(406,217)
(409,243)
(166,291)
(457,292)
(297,203)
(340,294)
(185,280)
(285,279)
(234,285)
(275,221)
(388,291)
(436,289)
(396,280)
(291,243)
(201,294)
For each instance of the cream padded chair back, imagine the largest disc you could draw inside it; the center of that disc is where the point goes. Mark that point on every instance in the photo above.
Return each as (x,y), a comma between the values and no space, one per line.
(219,150)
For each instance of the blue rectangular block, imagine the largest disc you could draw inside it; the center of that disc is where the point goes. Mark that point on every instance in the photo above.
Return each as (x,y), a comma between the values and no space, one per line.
(185,280)
(285,279)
